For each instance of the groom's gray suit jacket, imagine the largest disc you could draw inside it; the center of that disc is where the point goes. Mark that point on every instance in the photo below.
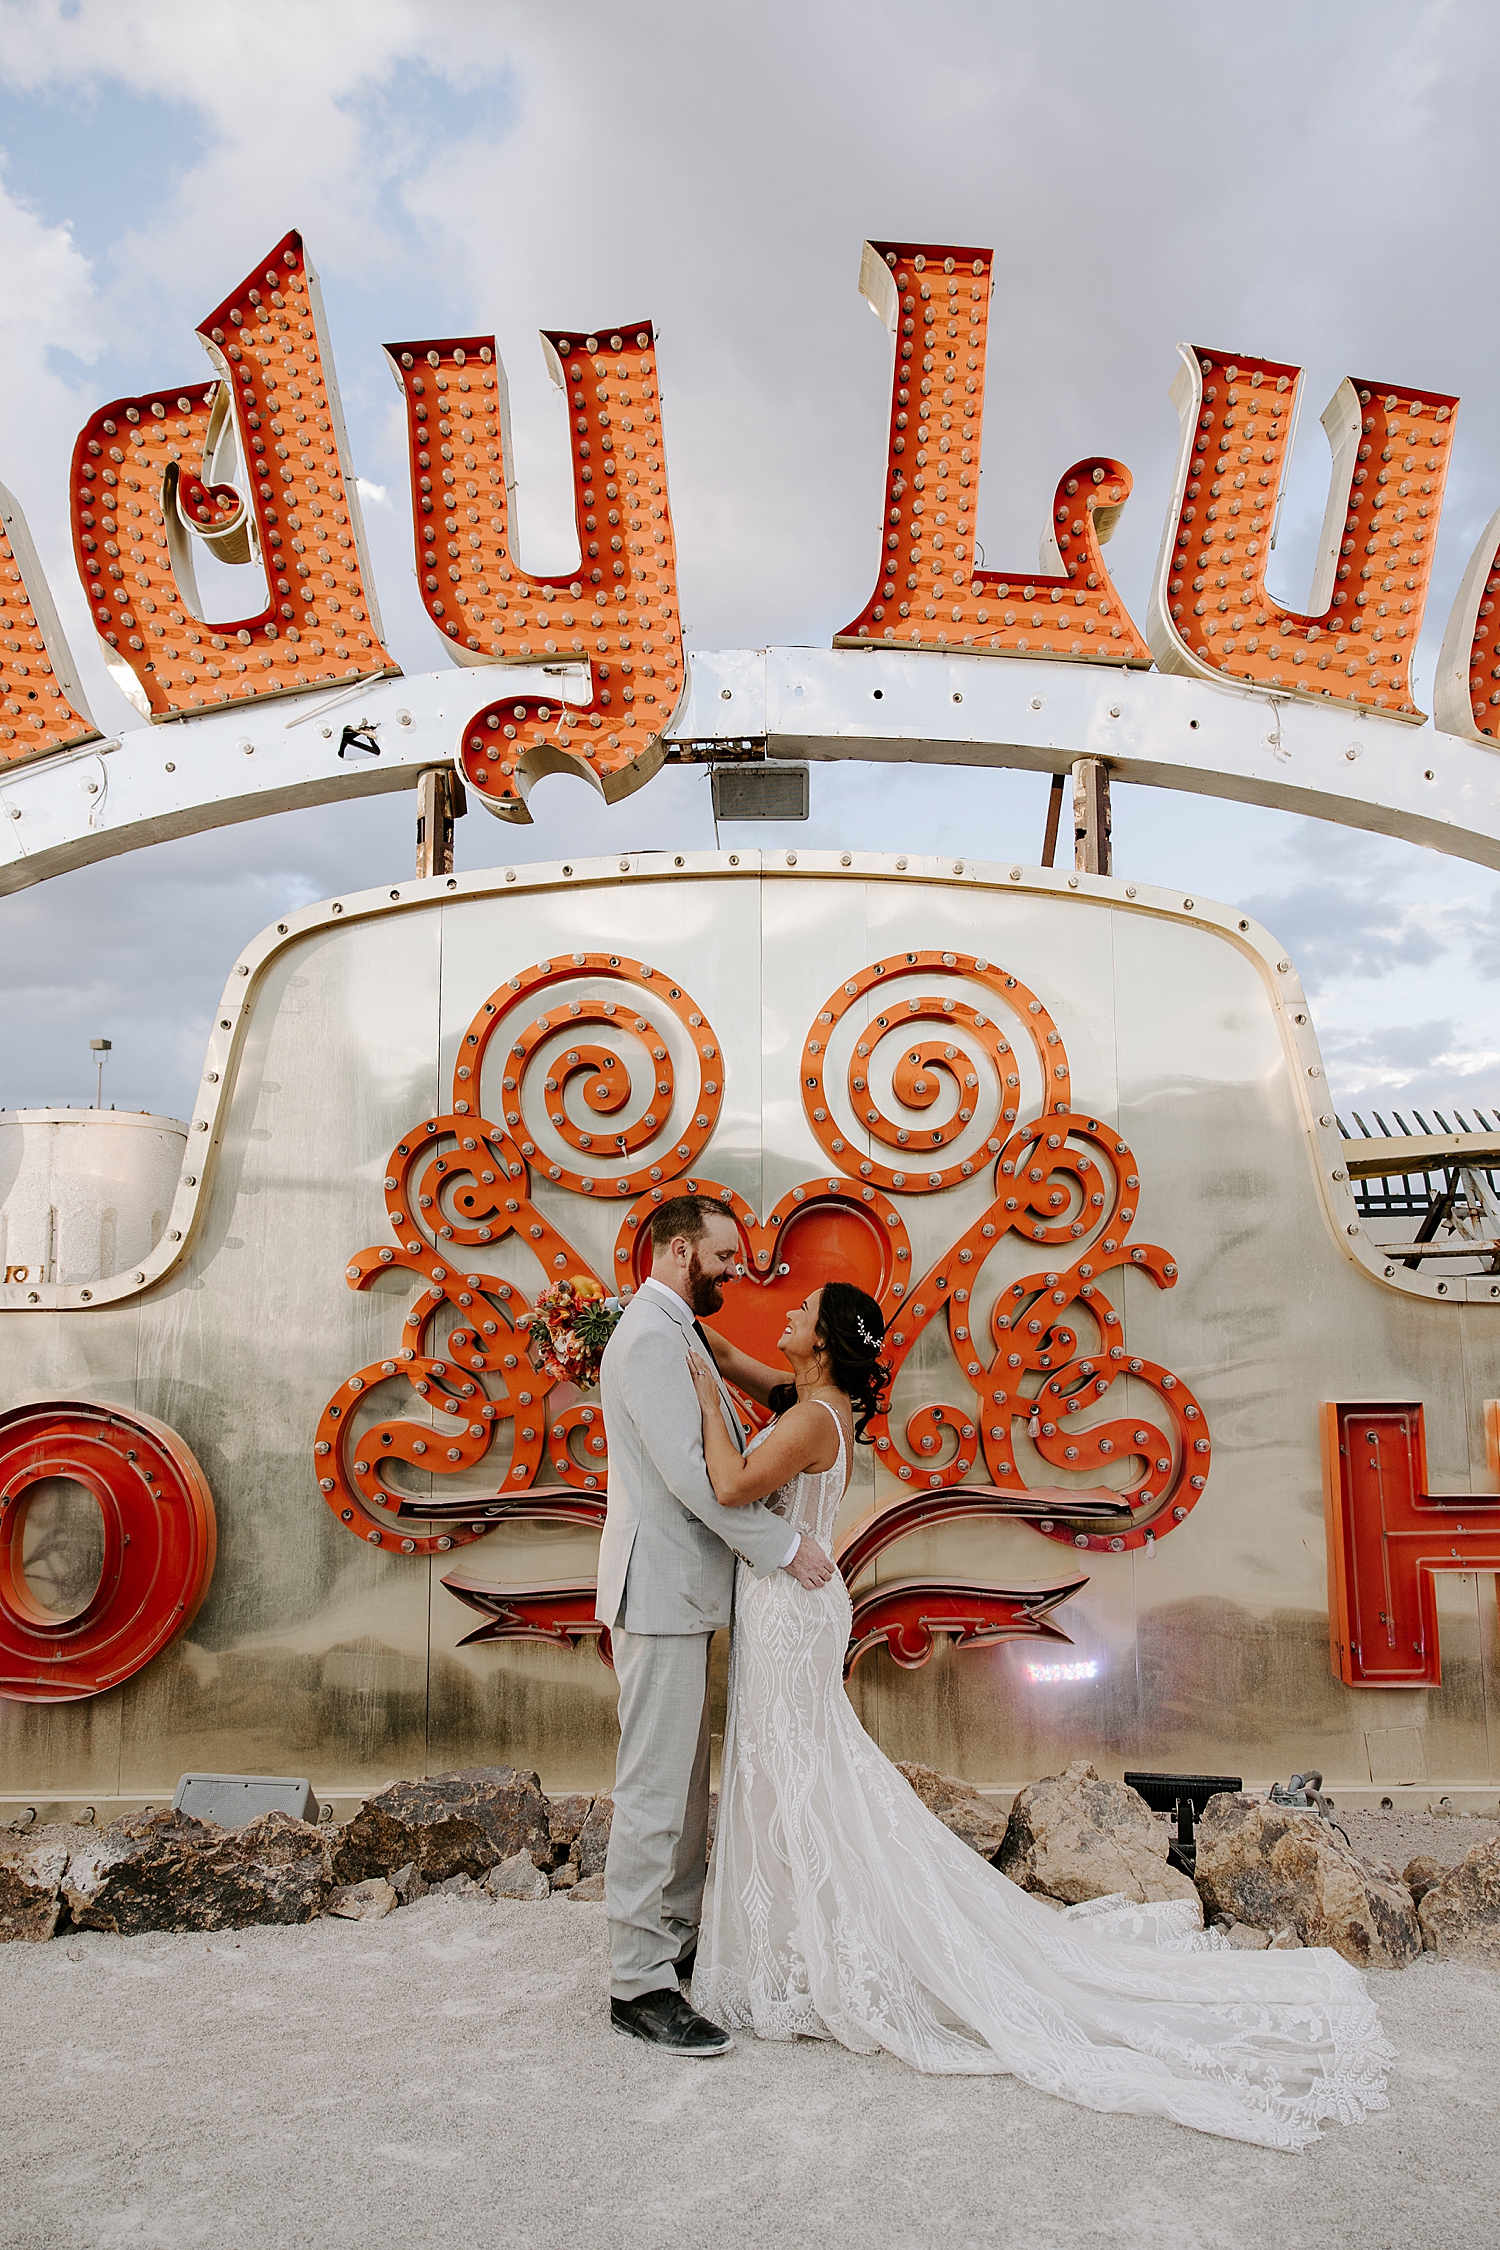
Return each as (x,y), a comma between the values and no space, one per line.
(666,1560)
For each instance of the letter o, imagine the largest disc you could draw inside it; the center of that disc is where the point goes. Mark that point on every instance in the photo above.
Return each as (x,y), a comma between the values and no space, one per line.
(159,1541)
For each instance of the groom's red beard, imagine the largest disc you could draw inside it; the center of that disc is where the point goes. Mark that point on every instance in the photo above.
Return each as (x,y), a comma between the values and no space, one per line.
(705,1290)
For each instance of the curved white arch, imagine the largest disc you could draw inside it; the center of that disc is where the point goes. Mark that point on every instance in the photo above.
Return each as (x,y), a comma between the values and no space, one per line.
(1331,761)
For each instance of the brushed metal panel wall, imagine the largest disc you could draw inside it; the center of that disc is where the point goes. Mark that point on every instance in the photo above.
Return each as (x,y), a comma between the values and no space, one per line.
(317,1653)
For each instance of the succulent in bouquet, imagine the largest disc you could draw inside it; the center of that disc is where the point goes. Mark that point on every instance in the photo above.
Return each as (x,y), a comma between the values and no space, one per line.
(571,1324)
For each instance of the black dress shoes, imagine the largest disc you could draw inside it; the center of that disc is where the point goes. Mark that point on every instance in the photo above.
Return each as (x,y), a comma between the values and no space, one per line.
(664,2019)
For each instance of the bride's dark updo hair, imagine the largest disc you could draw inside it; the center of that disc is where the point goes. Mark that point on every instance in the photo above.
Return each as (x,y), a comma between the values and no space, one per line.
(851,1329)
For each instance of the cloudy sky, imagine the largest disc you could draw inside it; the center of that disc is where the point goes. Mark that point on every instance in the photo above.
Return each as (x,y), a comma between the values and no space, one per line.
(1304,180)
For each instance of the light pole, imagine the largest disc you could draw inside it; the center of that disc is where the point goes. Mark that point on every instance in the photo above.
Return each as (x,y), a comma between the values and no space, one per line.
(100,1047)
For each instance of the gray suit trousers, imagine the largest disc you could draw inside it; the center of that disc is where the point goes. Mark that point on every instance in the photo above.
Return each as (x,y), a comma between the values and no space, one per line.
(658,1839)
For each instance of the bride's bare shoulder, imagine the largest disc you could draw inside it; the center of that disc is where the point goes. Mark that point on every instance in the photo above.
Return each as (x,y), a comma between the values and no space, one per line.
(811,1433)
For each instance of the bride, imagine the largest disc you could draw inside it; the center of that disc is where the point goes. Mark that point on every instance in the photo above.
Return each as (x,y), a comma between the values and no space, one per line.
(841,1908)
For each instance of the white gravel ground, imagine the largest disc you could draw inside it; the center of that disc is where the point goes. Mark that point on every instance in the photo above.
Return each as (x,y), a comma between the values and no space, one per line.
(448,2076)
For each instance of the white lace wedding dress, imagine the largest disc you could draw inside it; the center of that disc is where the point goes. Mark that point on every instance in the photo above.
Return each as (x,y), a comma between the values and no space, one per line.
(840,1908)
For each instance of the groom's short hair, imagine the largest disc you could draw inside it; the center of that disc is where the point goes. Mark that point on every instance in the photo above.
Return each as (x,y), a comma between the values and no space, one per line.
(685,1215)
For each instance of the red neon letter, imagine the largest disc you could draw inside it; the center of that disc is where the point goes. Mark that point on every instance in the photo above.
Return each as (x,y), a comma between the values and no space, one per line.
(1387,1535)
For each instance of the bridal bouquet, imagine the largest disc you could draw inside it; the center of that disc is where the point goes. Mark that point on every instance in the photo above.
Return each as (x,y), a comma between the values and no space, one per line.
(571,1324)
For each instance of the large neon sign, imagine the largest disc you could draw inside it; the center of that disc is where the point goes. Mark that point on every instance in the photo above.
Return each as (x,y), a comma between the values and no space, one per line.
(250,466)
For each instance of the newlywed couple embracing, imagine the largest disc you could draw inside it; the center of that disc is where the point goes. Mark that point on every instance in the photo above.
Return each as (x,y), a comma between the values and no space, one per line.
(840,1907)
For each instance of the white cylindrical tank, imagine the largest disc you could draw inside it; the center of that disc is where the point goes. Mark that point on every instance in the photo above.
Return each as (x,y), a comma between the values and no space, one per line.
(84,1192)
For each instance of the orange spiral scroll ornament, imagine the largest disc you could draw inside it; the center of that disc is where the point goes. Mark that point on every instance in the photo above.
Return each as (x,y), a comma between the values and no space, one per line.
(1210,613)
(615,617)
(1050,1357)
(613,1114)
(150,475)
(42,706)
(931,591)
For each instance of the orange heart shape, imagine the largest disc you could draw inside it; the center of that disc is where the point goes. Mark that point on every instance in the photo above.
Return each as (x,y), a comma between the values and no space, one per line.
(827,1230)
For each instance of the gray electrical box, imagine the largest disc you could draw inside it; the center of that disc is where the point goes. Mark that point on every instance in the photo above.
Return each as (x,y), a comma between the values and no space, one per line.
(770,792)
(232,1799)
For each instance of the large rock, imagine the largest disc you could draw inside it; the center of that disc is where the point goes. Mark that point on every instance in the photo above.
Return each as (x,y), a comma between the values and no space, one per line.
(1270,1866)
(1420,1874)
(1075,1837)
(565,1816)
(166,1871)
(31,1880)
(593,1839)
(519,1877)
(448,1824)
(1460,1915)
(364,1902)
(959,1806)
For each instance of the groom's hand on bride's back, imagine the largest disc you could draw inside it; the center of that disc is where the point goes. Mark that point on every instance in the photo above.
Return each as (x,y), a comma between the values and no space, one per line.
(810,1566)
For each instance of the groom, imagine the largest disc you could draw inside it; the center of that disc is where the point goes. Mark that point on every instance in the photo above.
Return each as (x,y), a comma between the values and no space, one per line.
(666,1581)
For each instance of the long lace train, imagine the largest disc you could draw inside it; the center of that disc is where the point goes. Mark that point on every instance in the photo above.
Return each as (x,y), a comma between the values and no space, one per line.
(840,1908)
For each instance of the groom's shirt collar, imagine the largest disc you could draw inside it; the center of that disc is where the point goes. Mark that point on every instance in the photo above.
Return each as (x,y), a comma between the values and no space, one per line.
(681,1309)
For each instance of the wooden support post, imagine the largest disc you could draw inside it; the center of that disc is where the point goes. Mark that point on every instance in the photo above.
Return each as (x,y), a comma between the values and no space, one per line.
(1054,820)
(440,802)
(1091,818)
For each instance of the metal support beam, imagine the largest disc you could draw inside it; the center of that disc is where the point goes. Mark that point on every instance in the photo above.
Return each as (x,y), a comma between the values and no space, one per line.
(440,802)
(1054,819)
(1091,817)
(1361,769)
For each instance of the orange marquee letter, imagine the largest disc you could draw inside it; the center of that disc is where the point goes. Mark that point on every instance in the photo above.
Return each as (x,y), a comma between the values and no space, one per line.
(1210,613)
(41,704)
(616,614)
(935,300)
(143,489)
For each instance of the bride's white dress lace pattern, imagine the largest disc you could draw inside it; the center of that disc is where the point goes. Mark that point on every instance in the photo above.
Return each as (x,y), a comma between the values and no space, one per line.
(842,1909)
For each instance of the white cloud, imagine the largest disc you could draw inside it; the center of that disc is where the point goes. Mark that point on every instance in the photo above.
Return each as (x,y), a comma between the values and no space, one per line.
(512,168)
